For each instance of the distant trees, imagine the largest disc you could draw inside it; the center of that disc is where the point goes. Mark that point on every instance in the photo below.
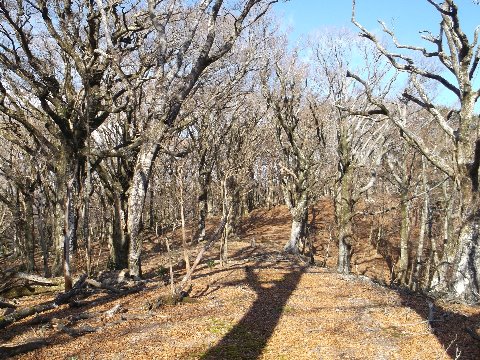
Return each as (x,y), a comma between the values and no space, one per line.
(358,142)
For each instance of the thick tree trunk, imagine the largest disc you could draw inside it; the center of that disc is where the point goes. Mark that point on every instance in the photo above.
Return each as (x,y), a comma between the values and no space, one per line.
(465,279)
(136,203)
(344,200)
(297,232)
(345,232)
(416,282)
(70,224)
(59,217)
(461,261)
(43,236)
(119,239)
(344,251)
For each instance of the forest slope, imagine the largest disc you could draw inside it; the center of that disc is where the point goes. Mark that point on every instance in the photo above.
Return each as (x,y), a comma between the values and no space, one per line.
(263,305)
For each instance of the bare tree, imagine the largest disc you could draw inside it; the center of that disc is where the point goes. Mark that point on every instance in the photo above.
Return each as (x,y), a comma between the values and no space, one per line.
(202,36)
(285,92)
(359,142)
(458,55)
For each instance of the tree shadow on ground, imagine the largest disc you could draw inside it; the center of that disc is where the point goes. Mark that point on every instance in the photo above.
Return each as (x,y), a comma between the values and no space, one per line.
(454,330)
(248,338)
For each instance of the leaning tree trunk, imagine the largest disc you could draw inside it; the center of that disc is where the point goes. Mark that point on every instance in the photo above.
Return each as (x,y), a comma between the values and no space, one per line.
(136,203)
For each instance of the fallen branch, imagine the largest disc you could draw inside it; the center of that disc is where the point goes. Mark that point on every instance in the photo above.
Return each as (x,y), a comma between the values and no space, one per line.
(36,279)
(99,285)
(6,305)
(113,311)
(12,279)
(23,313)
(63,298)
(7,351)
(75,332)
(32,310)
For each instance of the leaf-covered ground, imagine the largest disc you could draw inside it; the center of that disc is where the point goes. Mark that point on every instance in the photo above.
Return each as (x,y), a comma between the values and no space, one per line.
(262,305)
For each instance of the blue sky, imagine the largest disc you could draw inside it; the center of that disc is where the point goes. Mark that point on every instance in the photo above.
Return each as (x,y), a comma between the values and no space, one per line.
(406,17)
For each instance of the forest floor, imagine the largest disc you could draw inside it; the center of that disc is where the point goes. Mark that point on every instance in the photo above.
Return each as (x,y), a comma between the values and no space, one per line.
(262,305)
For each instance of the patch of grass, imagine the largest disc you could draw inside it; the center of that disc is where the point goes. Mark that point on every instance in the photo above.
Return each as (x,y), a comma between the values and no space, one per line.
(219,326)
(242,344)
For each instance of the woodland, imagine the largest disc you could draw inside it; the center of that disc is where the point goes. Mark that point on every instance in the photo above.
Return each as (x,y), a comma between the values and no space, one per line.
(178,180)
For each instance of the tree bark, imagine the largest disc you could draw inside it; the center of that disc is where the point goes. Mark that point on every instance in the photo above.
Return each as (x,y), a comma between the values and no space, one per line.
(402,266)
(119,239)
(299,225)
(203,180)
(136,203)
(344,205)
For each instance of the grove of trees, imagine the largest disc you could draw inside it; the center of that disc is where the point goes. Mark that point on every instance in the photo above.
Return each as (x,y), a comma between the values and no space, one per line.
(120,118)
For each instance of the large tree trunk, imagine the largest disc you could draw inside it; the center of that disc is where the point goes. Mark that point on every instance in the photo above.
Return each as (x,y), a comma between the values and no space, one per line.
(462,257)
(299,224)
(344,221)
(59,216)
(119,239)
(415,282)
(70,223)
(42,237)
(29,231)
(136,203)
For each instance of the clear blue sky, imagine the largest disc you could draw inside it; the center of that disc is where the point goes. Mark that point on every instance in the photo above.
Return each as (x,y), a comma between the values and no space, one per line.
(406,17)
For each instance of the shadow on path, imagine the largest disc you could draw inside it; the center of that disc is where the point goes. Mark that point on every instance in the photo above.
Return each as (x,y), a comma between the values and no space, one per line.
(454,330)
(249,337)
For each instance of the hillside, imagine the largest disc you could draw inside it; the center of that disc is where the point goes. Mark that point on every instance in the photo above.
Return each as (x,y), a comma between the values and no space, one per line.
(262,305)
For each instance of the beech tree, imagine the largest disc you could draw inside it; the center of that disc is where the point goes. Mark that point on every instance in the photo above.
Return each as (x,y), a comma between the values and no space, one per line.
(455,52)
(55,76)
(203,35)
(359,142)
(285,92)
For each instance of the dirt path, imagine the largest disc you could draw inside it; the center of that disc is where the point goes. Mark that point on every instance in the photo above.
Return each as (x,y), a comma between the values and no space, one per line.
(262,306)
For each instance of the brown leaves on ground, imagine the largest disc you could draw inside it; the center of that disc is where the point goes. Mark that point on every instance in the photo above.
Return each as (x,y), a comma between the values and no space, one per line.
(263,305)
